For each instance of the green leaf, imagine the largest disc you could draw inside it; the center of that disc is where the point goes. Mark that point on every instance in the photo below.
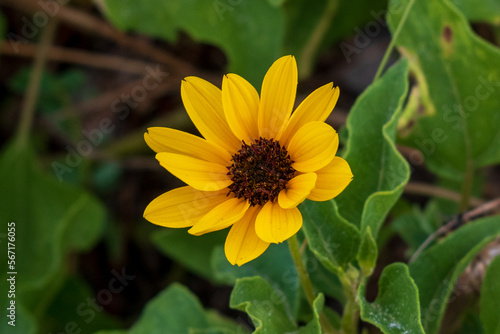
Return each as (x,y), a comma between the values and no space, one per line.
(263,304)
(223,325)
(275,266)
(217,331)
(174,310)
(193,252)
(51,219)
(323,279)
(249,32)
(331,238)
(459,77)
(314,326)
(437,269)
(70,311)
(396,309)
(471,324)
(276,2)
(380,172)
(489,11)
(368,252)
(177,310)
(416,226)
(490,298)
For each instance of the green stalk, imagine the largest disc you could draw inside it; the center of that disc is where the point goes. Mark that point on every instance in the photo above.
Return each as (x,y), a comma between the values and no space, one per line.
(393,40)
(311,48)
(33,89)
(350,318)
(293,245)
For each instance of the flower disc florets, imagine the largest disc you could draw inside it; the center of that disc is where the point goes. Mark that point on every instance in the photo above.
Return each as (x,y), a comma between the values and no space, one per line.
(260,171)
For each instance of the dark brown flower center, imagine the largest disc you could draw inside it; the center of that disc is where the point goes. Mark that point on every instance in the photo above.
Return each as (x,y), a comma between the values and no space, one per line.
(260,171)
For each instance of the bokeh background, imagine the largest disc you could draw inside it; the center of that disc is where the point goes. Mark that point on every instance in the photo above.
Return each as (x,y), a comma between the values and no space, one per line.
(106,71)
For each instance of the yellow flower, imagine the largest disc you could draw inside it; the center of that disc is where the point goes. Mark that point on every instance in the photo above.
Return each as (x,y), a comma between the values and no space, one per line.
(256,162)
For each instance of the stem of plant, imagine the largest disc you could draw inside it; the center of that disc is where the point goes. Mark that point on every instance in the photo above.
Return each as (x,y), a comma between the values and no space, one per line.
(33,89)
(293,245)
(311,48)
(350,317)
(393,40)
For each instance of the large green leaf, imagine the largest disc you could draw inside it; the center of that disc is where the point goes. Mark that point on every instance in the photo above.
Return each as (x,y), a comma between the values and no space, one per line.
(488,11)
(490,298)
(177,310)
(458,75)
(436,270)
(174,310)
(331,238)
(263,304)
(250,32)
(275,266)
(70,311)
(314,326)
(380,172)
(396,309)
(51,219)
(322,278)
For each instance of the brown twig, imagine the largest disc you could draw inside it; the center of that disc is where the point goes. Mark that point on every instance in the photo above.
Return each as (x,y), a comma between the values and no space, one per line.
(33,89)
(91,24)
(411,154)
(418,188)
(81,57)
(461,219)
(106,100)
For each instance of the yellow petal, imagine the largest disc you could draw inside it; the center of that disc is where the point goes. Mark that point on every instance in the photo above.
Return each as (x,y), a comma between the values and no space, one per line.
(220,217)
(182,207)
(313,146)
(277,96)
(199,174)
(275,224)
(203,103)
(332,180)
(297,190)
(316,107)
(241,105)
(242,243)
(175,141)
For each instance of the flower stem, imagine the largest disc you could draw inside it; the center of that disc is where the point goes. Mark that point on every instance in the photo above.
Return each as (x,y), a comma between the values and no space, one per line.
(393,40)
(311,48)
(350,317)
(33,89)
(293,245)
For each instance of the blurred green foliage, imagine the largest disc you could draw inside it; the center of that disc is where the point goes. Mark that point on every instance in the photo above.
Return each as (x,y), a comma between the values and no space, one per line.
(51,220)
(441,98)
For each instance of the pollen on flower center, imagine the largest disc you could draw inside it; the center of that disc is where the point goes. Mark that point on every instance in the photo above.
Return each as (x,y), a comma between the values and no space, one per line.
(260,171)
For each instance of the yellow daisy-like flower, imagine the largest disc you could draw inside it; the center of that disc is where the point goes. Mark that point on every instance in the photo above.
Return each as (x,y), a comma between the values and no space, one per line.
(256,162)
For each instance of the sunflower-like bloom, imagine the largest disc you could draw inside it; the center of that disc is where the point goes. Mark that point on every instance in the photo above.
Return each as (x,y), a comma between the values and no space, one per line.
(256,162)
